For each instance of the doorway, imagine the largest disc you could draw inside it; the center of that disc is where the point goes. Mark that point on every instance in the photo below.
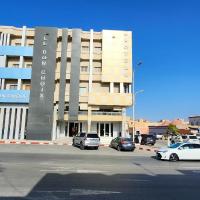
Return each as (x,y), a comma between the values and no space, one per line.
(73,128)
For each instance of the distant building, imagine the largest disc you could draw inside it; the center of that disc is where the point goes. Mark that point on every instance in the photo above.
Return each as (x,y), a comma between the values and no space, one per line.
(141,126)
(194,120)
(194,124)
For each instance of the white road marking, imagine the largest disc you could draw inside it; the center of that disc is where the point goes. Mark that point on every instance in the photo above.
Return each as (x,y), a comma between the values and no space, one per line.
(135,180)
(81,192)
(86,171)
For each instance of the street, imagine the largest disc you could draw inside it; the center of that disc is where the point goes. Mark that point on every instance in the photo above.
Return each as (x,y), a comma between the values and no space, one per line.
(66,172)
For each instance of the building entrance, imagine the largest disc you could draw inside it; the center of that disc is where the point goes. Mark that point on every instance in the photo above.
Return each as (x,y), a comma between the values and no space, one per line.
(73,128)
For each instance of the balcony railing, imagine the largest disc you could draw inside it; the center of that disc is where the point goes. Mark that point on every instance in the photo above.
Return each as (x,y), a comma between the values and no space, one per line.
(79,112)
(106,113)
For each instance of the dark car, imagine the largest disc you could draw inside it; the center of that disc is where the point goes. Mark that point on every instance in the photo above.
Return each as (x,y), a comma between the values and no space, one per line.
(122,143)
(148,139)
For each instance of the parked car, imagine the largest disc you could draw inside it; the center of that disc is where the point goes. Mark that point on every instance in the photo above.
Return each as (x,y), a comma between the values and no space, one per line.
(190,138)
(148,139)
(198,136)
(84,140)
(122,143)
(179,151)
(176,139)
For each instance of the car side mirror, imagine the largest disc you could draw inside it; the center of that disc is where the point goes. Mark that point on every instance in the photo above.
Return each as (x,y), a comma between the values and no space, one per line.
(180,148)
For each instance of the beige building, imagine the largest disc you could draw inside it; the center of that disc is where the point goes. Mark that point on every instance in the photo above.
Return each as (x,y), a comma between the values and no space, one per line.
(91,87)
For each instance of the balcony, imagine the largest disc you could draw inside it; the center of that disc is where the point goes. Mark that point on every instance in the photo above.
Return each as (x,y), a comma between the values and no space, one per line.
(106,116)
(110,99)
(106,113)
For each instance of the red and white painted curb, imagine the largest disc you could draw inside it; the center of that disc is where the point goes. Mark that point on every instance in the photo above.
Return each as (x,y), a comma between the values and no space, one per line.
(32,142)
(138,147)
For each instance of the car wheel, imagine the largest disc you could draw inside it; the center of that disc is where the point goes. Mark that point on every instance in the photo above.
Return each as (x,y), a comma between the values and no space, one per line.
(96,148)
(82,146)
(173,157)
(118,148)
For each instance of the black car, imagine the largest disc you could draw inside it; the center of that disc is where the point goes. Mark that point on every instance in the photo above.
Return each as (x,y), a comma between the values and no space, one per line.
(148,139)
(122,143)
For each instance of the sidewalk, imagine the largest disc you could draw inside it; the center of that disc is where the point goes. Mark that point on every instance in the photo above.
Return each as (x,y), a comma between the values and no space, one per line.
(68,142)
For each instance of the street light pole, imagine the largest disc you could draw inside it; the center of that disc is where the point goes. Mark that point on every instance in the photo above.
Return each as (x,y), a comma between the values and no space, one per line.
(133,97)
(134,102)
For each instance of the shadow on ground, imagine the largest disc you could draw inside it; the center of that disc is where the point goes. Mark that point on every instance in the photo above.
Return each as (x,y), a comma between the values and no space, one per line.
(83,186)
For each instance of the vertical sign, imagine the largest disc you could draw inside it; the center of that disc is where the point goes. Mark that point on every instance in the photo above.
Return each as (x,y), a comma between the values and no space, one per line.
(40,116)
(75,75)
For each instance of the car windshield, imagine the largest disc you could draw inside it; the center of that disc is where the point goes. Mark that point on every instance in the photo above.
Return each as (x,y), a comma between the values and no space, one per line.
(91,135)
(173,146)
(192,137)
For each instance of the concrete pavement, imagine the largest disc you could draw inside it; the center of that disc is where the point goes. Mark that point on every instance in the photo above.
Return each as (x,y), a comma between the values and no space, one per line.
(66,172)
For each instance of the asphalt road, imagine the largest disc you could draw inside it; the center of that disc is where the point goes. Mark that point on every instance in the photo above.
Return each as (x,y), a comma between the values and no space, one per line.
(65,172)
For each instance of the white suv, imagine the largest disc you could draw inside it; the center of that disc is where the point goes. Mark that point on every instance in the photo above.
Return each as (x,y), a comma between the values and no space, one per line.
(190,139)
(86,140)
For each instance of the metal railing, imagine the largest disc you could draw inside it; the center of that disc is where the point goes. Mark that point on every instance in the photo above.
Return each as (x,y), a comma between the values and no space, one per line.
(106,113)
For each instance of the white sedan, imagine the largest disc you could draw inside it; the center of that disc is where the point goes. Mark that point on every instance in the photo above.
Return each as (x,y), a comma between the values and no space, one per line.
(179,151)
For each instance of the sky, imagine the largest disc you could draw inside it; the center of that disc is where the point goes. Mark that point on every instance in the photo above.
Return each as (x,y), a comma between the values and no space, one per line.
(166,38)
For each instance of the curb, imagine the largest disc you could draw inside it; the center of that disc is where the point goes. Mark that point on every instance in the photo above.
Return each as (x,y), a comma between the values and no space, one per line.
(138,147)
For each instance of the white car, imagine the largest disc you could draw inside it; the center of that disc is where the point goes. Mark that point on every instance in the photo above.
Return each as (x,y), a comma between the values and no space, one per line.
(190,138)
(179,151)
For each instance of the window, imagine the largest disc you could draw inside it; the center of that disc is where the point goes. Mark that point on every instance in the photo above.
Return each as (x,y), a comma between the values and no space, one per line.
(107,129)
(28,65)
(27,87)
(30,45)
(101,129)
(84,68)
(13,86)
(85,48)
(82,91)
(97,69)
(97,49)
(17,44)
(126,88)
(16,65)
(116,87)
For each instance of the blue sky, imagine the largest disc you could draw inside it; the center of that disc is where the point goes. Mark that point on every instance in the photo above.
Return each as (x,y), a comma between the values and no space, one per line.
(166,37)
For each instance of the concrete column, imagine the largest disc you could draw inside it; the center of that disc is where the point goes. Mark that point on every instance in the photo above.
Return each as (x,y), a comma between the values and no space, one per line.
(91,60)
(67,129)
(2,84)
(8,39)
(1,121)
(111,87)
(4,39)
(23,120)
(121,87)
(5,136)
(54,123)
(1,39)
(17,124)
(129,88)
(21,61)
(123,122)
(89,118)
(109,129)
(12,121)
(62,128)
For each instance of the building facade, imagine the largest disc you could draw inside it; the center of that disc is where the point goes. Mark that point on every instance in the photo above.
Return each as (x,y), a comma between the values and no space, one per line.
(194,121)
(57,82)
